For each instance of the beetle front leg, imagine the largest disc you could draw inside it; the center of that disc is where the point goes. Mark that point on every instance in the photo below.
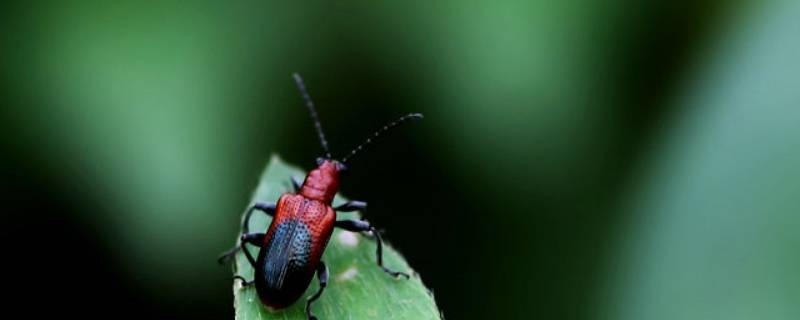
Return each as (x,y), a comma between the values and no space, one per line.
(363,226)
(351,206)
(268,208)
(322,275)
(296,184)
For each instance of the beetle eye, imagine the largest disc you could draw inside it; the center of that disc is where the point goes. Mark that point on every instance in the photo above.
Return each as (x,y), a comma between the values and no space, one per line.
(340,167)
(320,161)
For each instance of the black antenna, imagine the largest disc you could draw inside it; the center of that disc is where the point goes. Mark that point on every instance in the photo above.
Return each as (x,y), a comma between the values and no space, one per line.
(385,128)
(310,104)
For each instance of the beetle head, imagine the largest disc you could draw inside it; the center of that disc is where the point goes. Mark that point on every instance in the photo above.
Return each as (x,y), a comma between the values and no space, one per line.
(340,167)
(322,183)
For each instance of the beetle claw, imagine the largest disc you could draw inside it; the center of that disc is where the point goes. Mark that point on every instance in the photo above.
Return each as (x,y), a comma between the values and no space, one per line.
(396,274)
(226,256)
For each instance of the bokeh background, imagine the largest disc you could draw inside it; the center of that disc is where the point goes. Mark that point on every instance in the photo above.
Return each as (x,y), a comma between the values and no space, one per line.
(578,160)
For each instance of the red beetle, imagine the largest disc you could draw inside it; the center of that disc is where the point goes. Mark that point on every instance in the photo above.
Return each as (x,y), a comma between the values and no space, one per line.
(291,249)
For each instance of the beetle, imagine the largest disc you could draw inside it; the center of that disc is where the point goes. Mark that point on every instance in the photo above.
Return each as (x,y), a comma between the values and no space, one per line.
(302,223)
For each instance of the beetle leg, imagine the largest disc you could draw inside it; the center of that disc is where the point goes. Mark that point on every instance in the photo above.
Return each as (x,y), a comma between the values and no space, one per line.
(256,239)
(322,275)
(245,283)
(363,226)
(268,208)
(225,256)
(352,205)
(296,184)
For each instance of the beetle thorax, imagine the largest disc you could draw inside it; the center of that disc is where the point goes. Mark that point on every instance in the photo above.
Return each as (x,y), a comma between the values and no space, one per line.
(322,183)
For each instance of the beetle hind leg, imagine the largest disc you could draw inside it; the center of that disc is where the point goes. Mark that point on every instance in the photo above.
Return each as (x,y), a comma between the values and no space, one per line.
(322,275)
(245,283)
(363,226)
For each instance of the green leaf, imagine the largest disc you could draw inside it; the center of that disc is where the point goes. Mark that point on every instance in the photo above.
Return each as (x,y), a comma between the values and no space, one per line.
(357,288)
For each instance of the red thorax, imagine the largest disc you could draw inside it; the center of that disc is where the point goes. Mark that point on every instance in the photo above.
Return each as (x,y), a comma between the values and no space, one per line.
(322,183)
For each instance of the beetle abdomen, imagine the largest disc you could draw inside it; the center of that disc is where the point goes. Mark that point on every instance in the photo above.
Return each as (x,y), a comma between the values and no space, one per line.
(287,263)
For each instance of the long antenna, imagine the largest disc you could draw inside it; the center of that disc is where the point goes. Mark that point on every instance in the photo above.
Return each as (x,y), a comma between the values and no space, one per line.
(380,131)
(310,104)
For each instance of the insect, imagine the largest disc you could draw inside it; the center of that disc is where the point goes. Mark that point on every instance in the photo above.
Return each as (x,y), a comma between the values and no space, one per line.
(302,223)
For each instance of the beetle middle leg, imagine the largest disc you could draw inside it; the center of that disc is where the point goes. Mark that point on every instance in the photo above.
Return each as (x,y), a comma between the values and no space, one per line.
(322,275)
(351,206)
(267,208)
(256,239)
(363,226)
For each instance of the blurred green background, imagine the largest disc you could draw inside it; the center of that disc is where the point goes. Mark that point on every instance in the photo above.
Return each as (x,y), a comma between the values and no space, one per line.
(578,160)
